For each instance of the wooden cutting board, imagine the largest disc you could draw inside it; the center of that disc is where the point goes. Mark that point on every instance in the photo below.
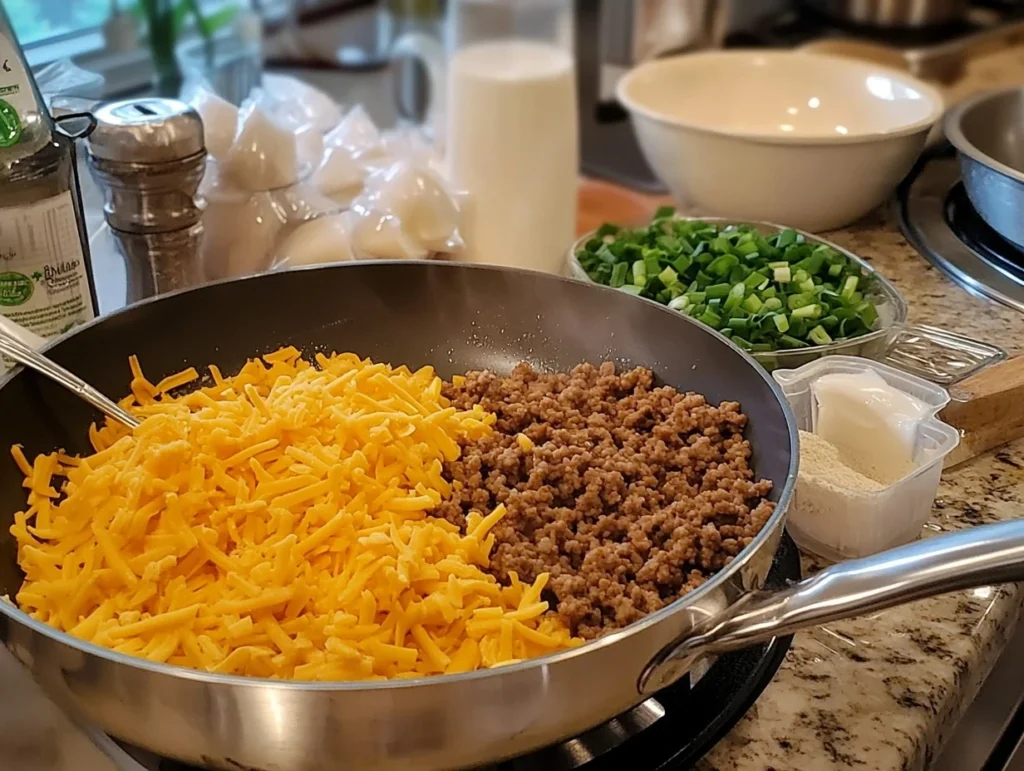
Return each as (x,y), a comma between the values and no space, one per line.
(987,408)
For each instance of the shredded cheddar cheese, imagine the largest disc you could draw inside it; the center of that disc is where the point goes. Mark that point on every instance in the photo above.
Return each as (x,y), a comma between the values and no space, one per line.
(276,524)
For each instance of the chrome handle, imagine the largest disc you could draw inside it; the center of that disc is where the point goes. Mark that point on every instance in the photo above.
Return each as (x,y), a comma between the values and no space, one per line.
(989,554)
(24,354)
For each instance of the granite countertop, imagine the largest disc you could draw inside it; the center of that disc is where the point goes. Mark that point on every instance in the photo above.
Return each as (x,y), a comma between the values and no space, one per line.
(883,693)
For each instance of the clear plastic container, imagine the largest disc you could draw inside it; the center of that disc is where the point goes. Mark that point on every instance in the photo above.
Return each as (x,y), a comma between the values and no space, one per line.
(936,354)
(863,523)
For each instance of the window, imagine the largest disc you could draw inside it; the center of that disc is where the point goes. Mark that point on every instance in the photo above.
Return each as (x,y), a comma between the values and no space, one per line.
(38,20)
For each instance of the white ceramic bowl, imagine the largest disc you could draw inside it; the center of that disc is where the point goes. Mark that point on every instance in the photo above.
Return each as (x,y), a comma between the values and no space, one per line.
(809,140)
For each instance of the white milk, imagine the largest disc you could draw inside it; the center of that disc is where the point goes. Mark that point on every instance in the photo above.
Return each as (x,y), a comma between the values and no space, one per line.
(512,144)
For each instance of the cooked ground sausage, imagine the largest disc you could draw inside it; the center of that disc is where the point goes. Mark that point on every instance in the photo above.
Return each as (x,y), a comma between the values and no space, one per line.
(630,495)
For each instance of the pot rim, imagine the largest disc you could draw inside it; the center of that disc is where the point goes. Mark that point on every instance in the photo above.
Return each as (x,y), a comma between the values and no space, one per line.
(953,127)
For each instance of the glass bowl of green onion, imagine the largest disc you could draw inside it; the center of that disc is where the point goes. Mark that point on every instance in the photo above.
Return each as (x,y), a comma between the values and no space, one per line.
(784,296)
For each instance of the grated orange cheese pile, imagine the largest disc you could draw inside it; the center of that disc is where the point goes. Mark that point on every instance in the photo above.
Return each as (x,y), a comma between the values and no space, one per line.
(276,524)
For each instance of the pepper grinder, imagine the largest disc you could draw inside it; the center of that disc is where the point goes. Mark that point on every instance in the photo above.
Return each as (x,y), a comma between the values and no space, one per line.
(148,156)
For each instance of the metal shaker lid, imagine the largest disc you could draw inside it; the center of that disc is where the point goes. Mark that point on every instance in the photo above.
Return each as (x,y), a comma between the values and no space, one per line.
(146,131)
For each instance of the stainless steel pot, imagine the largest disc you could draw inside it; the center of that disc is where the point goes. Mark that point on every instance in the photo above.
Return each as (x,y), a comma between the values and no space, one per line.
(895,14)
(988,134)
(457,317)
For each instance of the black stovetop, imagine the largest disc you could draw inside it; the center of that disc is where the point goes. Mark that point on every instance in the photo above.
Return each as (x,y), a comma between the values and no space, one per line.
(681,724)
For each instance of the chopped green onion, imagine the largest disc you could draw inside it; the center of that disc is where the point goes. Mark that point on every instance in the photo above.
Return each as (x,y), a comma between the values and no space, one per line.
(819,335)
(721,266)
(639,273)
(651,266)
(868,314)
(755,281)
(618,277)
(735,296)
(788,341)
(811,311)
(718,290)
(786,238)
(768,290)
(849,287)
(711,318)
(668,277)
(795,301)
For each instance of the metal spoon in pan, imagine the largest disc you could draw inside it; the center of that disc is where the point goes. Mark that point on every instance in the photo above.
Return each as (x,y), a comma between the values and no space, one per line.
(13,345)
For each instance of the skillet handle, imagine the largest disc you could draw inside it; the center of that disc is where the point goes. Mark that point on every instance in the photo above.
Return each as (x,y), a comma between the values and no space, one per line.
(979,556)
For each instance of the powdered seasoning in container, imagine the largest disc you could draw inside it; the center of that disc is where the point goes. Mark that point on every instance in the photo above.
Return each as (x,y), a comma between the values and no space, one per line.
(838,512)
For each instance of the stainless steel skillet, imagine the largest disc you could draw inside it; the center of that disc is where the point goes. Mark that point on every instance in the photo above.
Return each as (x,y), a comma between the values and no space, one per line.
(456,318)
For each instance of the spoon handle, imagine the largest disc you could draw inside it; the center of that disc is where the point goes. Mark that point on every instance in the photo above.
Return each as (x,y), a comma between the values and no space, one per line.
(31,358)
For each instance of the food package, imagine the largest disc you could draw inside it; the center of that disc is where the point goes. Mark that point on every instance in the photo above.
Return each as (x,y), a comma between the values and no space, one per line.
(240,230)
(282,192)
(264,154)
(305,104)
(339,176)
(405,212)
(357,135)
(66,87)
(322,240)
(220,120)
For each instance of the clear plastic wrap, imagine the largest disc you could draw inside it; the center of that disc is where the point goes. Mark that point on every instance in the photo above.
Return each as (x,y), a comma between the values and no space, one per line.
(358,135)
(66,87)
(306,104)
(281,191)
(220,120)
(405,212)
(264,154)
(340,176)
(240,232)
(319,241)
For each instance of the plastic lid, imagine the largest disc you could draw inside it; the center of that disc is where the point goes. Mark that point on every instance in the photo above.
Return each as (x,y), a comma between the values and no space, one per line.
(146,131)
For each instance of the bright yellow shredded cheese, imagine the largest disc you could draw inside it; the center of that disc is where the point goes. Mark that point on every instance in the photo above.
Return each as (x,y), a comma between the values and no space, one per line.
(276,524)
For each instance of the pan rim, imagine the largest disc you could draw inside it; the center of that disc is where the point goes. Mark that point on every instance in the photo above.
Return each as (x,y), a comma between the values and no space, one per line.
(15,614)
(953,126)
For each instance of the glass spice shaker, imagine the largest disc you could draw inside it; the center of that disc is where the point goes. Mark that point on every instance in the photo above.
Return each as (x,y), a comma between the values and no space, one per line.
(148,156)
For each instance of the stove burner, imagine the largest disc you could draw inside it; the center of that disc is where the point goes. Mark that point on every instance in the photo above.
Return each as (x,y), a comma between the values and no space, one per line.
(939,221)
(977,234)
(667,733)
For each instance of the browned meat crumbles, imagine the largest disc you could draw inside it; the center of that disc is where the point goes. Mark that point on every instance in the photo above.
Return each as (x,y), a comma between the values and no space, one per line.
(628,494)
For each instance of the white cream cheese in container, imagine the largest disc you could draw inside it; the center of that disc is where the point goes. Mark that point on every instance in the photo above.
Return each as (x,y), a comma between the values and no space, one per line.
(872,424)
(879,423)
